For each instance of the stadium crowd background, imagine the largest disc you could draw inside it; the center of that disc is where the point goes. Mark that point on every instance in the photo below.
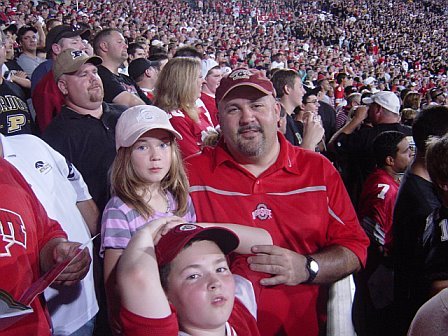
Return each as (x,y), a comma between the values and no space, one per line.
(400,43)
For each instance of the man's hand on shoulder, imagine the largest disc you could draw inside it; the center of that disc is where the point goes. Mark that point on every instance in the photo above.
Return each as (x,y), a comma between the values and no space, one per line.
(286,266)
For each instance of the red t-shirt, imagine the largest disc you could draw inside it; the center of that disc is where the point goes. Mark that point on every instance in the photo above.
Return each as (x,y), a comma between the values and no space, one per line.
(24,230)
(338,95)
(300,200)
(377,202)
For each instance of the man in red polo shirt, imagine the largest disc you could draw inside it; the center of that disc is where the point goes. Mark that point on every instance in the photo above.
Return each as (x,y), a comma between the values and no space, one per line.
(255,177)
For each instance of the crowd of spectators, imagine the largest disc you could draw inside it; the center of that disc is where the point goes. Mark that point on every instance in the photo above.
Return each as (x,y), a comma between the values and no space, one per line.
(398,42)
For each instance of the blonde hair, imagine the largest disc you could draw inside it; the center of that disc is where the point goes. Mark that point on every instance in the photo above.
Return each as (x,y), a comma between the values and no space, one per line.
(126,184)
(175,86)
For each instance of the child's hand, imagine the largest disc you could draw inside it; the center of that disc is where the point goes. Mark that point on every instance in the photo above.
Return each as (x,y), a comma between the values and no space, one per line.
(161,226)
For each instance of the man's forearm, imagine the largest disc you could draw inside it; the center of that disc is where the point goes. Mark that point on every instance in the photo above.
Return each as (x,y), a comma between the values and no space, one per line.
(335,262)
(90,213)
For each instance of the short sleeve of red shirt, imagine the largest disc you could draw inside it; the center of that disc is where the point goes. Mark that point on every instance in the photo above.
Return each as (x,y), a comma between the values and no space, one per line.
(136,325)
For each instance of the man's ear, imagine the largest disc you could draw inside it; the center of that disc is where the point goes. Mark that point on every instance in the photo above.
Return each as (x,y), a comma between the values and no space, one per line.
(389,161)
(104,46)
(56,48)
(286,89)
(277,108)
(62,85)
(148,72)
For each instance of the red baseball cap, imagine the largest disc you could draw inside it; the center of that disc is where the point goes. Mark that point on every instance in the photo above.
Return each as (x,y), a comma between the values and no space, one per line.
(175,240)
(244,77)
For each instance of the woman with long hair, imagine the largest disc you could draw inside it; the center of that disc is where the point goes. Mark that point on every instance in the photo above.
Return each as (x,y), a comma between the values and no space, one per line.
(177,92)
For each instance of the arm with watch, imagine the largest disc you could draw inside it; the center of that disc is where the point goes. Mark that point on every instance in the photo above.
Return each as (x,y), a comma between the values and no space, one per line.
(291,268)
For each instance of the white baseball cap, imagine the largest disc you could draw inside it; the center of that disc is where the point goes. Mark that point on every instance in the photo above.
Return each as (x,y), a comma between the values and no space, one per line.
(138,120)
(385,99)
(207,65)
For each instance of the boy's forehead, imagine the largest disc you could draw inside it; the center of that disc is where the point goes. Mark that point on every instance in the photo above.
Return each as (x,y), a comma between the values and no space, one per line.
(197,253)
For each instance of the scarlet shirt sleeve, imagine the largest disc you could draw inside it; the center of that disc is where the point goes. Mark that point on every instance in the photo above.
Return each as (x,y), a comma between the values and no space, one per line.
(136,325)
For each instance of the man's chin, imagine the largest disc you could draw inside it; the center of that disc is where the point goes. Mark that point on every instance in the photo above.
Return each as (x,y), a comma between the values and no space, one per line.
(250,147)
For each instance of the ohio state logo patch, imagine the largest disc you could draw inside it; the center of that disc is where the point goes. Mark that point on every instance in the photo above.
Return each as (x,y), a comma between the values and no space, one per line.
(240,74)
(262,212)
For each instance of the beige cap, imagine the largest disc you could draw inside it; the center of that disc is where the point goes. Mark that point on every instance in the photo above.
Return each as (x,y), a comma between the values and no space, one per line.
(138,120)
(70,60)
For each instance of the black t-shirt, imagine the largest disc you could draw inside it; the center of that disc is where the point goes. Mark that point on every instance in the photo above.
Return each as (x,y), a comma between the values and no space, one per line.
(89,143)
(416,199)
(116,84)
(15,117)
(328,115)
(293,134)
(435,245)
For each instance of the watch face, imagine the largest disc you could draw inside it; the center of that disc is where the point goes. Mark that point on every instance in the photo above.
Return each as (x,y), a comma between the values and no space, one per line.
(314,266)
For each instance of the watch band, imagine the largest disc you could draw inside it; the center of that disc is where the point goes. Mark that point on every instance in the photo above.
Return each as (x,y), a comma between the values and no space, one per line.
(312,273)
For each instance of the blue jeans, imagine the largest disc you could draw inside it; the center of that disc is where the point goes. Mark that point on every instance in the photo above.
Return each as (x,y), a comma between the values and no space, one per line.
(86,329)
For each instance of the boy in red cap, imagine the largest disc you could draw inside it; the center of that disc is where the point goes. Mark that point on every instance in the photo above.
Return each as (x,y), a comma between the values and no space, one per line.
(183,285)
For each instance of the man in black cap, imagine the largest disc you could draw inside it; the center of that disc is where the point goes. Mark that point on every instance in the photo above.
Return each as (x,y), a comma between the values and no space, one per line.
(58,39)
(145,73)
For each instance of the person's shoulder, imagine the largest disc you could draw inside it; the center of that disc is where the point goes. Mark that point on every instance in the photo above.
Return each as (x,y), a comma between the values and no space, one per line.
(407,130)
(42,69)
(26,140)
(115,202)
(200,162)
(61,126)
(205,155)
(104,72)
(380,175)
(114,109)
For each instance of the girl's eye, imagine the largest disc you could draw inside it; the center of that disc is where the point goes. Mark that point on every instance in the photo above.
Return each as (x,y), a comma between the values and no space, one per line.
(222,269)
(141,148)
(165,144)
